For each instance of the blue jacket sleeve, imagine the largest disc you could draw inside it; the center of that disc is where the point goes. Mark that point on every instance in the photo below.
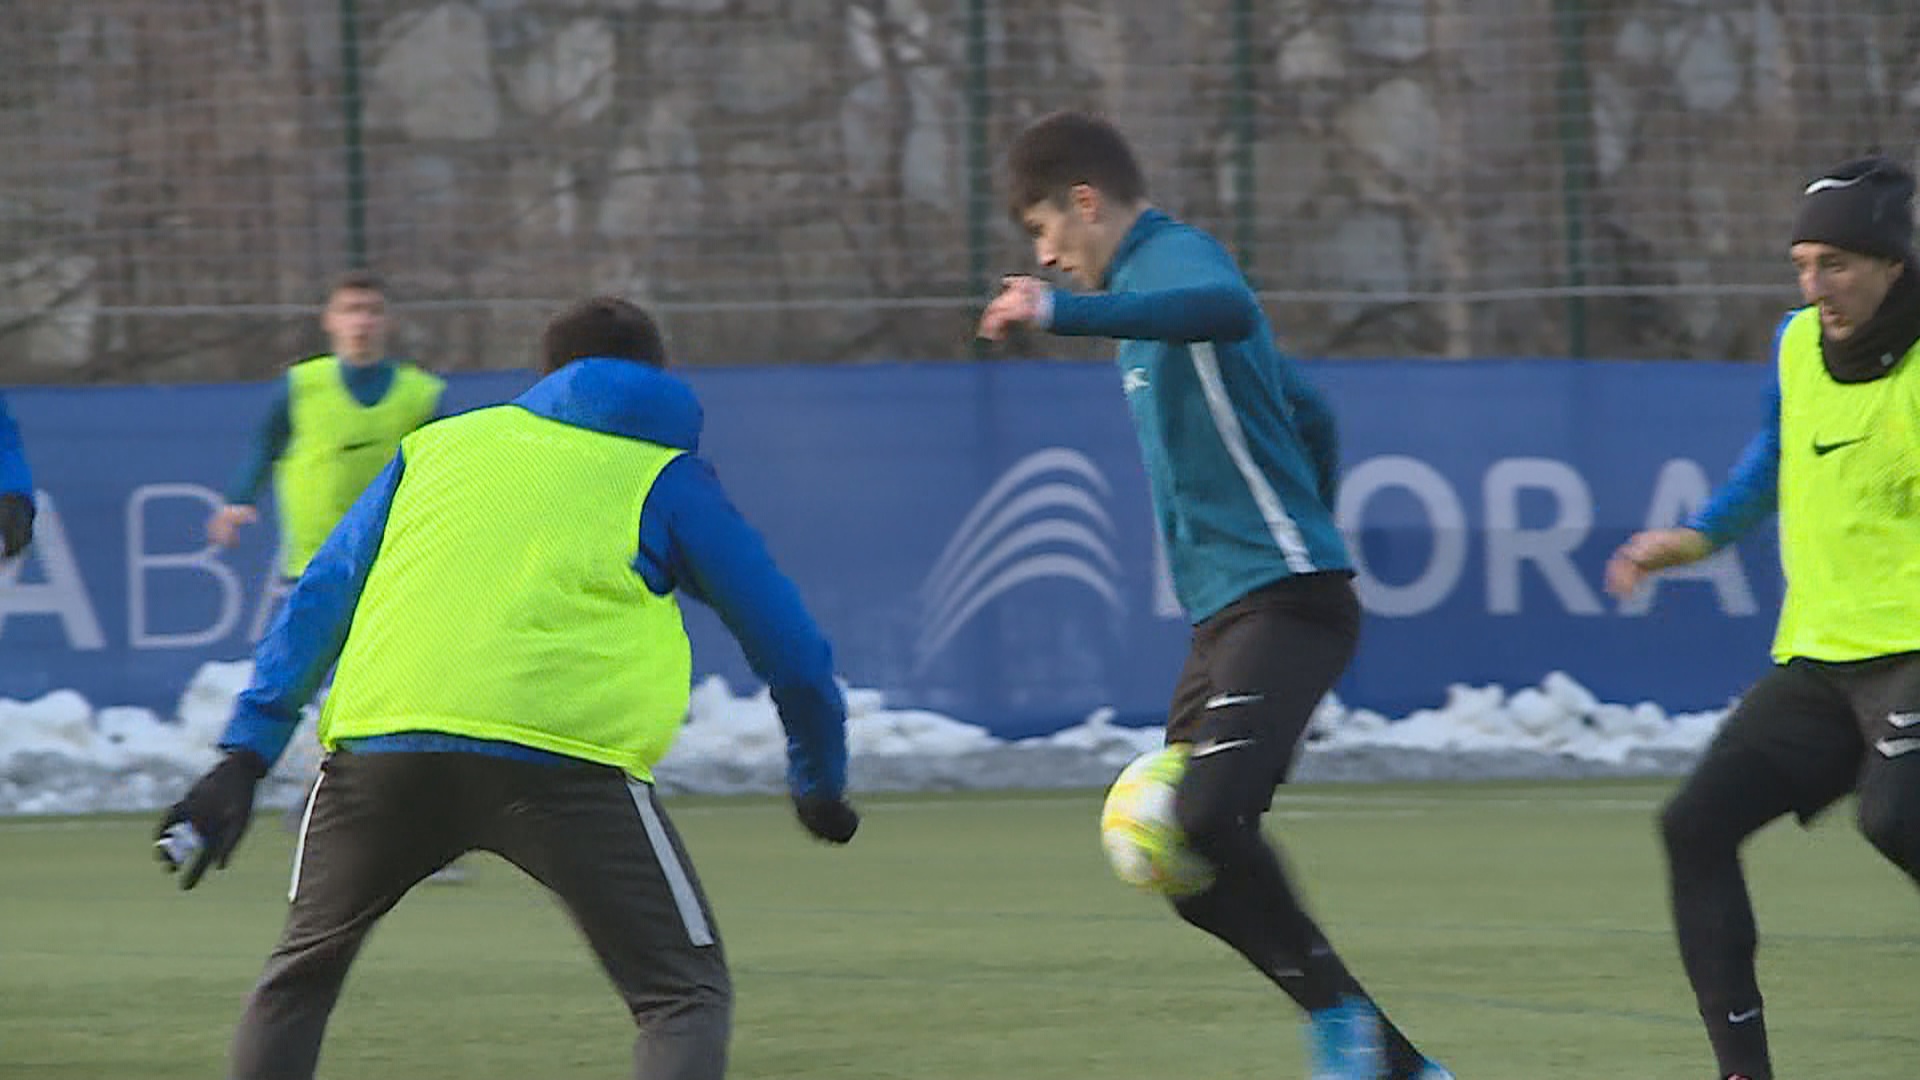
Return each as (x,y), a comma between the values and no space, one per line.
(1752,491)
(269,442)
(692,538)
(1184,287)
(311,626)
(15,478)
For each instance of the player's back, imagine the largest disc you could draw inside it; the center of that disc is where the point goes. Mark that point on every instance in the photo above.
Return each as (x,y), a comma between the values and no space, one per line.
(503,602)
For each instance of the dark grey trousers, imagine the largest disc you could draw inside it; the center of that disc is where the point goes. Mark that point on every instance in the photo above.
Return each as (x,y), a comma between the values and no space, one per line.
(377,824)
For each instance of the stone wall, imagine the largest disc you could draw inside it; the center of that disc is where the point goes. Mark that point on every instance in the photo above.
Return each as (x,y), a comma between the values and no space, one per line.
(802,180)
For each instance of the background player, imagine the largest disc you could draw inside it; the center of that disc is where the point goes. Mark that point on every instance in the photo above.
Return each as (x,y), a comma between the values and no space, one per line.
(1839,458)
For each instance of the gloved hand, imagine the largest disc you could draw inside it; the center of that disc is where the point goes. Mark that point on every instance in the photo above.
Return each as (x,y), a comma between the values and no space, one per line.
(832,820)
(16,523)
(219,806)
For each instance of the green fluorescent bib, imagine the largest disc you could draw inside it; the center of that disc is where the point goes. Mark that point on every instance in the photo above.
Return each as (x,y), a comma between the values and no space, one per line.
(337,447)
(1849,509)
(504,605)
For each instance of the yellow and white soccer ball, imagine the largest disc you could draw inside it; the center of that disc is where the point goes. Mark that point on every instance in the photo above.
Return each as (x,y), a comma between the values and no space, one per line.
(1142,837)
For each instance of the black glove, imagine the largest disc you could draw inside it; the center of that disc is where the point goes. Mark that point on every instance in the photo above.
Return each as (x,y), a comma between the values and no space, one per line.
(219,806)
(16,523)
(832,820)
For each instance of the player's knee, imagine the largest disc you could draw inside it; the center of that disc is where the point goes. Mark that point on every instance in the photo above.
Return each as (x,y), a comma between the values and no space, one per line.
(1690,825)
(699,1005)
(684,1033)
(1216,831)
(1725,801)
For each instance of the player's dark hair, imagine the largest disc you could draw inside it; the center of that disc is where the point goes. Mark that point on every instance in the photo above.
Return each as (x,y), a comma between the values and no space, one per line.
(604,326)
(1066,148)
(359,278)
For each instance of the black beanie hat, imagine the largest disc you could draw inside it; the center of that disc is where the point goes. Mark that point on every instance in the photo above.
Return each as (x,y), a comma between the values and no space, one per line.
(1864,206)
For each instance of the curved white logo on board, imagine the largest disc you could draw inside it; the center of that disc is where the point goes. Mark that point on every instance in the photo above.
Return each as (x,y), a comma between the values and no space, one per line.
(1041,519)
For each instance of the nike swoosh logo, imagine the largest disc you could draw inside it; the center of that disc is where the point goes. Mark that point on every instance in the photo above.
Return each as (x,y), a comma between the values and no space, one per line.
(360,445)
(1222,701)
(1821,449)
(1903,719)
(1895,747)
(1207,748)
(1742,1017)
(1826,183)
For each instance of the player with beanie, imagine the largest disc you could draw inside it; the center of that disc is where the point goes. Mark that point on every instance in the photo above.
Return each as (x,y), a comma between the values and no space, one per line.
(1839,713)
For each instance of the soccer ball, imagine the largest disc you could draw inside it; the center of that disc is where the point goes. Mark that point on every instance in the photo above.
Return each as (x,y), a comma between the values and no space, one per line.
(1138,830)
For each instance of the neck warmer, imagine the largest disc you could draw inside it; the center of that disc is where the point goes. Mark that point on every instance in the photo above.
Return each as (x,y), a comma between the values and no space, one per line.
(1875,347)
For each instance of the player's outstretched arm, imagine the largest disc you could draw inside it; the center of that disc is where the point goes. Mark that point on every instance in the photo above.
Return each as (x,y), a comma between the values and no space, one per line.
(716,556)
(1182,287)
(1190,313)
(303,641)
(1649,552)
(1750,495)
(1751,492)
(269,442)
(1187,289)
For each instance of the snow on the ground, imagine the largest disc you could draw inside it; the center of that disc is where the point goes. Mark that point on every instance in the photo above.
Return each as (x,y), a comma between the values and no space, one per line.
(59,754)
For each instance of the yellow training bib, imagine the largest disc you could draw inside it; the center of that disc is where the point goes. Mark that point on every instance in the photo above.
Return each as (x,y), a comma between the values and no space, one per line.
(1849,508)
(337,446)
(503,603)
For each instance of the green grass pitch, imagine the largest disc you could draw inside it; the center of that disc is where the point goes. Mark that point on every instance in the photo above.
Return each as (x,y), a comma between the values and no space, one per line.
(1516,931)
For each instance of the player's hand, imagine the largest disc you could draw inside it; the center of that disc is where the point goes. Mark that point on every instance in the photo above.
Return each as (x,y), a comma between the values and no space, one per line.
(224,526)
(1646,553)
(1023,301)
(832,820)
(219,806)
(16,523)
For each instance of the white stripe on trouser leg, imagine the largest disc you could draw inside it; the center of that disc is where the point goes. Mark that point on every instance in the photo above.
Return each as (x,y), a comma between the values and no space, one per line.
(300,846)
(678,882)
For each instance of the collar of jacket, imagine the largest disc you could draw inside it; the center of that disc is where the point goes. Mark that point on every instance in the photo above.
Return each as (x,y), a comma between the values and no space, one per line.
(1149,222)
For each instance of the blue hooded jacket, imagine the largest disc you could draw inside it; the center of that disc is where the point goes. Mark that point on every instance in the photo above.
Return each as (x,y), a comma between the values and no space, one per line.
(1241,451)
(689,537)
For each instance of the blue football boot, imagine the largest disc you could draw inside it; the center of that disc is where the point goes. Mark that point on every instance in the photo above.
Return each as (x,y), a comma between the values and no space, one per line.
(1344,1042)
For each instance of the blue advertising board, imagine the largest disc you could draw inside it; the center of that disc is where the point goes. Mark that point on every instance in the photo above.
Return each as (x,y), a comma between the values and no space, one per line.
(977,540)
